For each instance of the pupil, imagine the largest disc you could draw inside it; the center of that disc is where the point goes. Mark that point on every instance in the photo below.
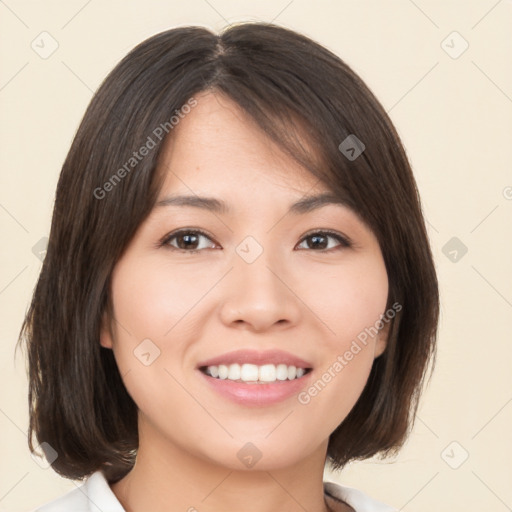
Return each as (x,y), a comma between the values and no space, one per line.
(316,238)
(187,238)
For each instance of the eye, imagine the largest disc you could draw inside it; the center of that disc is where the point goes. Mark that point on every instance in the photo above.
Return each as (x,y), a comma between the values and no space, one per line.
(320,240)
(189,240)
(186,240)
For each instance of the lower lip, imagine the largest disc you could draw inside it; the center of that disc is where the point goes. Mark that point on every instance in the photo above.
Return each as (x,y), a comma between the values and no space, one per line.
(257,394)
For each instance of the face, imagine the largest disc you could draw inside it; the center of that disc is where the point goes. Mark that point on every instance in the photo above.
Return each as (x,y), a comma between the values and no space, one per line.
(257,287)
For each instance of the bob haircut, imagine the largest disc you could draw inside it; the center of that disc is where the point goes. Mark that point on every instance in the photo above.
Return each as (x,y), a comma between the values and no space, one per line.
(292,87)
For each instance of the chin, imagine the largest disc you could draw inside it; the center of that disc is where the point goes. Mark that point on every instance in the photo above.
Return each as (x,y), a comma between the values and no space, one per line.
(257,455)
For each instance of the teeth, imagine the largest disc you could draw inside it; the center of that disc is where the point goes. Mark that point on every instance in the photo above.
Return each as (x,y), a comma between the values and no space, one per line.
(234,372)
(254,373)
(223,372)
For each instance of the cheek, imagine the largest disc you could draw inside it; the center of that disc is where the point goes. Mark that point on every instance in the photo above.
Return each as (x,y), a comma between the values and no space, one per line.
(143,306)
(346,298)
(349,303)
(152,305)
(151,299)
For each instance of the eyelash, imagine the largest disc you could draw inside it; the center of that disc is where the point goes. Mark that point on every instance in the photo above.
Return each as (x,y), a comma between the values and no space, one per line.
(344,242)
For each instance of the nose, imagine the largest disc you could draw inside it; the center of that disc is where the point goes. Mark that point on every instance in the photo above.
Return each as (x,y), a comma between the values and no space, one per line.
(259,295)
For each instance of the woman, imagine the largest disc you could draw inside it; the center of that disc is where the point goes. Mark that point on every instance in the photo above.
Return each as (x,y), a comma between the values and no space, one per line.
(238,286)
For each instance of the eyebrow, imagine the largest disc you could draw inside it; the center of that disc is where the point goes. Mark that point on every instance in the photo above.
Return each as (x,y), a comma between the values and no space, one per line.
(304,205)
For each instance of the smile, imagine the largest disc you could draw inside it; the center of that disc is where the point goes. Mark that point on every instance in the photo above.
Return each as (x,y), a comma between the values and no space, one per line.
(251,373)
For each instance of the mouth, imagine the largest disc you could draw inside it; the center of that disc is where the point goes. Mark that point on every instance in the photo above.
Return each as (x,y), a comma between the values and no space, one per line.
(255,374)
(256,379)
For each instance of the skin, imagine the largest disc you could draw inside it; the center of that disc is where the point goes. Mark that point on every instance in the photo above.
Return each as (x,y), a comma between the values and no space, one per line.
(308,300)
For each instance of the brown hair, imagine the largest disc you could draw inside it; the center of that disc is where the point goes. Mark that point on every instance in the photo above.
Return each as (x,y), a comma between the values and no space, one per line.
(290,85)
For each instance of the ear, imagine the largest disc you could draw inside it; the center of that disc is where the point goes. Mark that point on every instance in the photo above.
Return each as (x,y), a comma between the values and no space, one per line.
(106,331)
(382,339)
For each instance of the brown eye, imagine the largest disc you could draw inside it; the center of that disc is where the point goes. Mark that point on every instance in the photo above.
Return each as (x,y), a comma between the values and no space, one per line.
(320,241)
(187,240)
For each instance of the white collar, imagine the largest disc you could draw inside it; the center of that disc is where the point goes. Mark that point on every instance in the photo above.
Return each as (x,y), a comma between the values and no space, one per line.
(357,499)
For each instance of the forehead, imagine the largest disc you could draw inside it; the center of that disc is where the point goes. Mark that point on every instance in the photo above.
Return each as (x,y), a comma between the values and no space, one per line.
(218,148)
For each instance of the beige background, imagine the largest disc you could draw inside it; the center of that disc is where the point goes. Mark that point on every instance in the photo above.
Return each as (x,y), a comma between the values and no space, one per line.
(455,118)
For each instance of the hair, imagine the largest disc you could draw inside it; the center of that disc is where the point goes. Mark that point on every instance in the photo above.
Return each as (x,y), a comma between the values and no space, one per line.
(290,86)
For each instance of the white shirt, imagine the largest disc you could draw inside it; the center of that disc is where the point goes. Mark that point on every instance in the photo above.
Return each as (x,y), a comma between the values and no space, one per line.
(95,495)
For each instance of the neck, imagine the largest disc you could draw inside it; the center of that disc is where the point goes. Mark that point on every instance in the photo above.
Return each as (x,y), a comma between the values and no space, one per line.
(168,478)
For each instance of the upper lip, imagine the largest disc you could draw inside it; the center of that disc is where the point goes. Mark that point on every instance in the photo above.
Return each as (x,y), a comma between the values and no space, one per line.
(257,358)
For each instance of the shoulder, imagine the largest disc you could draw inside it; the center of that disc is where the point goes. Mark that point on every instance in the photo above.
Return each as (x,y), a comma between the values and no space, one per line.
(94,495)
(357,499)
